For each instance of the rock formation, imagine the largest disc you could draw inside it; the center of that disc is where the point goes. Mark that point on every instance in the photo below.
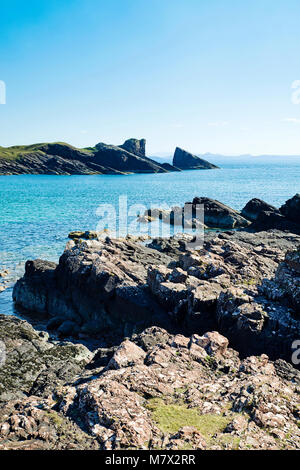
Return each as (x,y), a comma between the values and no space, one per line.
(63,159)
(135,146)
(155,390)
(291,209)
(187,161)
(255,207)
(216,215)
(112,288)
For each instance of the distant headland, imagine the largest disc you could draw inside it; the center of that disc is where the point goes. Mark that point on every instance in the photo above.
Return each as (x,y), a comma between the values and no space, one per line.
(63,159)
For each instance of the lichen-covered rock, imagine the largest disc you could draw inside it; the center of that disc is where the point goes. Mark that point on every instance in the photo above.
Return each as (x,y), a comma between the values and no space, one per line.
(126,355)
(176,393)
(32,363)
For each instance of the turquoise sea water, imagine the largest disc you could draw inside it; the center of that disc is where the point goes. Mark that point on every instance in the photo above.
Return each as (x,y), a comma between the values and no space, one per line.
(38,212)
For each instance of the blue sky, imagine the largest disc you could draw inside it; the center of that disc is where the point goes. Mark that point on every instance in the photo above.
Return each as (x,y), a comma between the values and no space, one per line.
(206,75)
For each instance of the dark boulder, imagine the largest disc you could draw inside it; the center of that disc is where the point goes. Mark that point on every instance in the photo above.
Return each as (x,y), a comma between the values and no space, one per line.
(218,215)
(291,209)
(274,220)
(254,207)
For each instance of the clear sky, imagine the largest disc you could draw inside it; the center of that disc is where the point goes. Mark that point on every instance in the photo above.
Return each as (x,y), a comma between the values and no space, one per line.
(207,75)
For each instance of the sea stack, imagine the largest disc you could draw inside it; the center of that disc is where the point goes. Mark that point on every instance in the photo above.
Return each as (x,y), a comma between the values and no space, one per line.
(187,161)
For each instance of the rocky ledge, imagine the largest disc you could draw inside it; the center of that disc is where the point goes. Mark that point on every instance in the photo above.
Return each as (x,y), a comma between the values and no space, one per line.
(244,285)
(257,215)
(156,390)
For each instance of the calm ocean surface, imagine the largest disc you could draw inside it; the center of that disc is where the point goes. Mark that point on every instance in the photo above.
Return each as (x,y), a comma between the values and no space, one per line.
(38,212)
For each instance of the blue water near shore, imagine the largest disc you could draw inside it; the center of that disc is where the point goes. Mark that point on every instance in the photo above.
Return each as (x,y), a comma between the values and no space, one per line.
(38,212)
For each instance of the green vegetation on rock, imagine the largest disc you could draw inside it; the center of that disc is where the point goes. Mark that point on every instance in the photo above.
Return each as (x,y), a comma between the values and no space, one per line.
(171,417)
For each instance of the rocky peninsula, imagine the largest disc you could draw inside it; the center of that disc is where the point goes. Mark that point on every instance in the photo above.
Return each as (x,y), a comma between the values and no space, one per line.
(152,345)
(63,159)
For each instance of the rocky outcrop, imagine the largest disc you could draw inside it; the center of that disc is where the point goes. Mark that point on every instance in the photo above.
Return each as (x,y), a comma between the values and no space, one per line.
(218,215)
(33,364)
(62,159)
(117,158)
(187,161)
(99,284)
(215,215)
(268,220)
(135,146)
(291,209)
(255,207)
(158,391)
(113,287)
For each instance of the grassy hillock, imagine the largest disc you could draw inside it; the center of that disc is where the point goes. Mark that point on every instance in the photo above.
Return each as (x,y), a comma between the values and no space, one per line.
(17,151)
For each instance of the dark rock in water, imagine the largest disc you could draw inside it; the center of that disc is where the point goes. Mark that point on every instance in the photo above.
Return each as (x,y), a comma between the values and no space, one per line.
(291,209)
(218,215)
(169,167)
(274,220)
(187,161)
(135,146)
(254,207)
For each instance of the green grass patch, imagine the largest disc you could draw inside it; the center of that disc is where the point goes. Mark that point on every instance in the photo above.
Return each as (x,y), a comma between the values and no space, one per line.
(12,153)
(170,418)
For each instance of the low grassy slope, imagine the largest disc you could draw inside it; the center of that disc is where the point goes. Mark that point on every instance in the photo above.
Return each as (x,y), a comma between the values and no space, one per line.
(17,151)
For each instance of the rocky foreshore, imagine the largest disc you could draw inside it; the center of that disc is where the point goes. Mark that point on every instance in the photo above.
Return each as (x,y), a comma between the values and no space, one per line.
(155,390)
(242,284)
(154,345)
